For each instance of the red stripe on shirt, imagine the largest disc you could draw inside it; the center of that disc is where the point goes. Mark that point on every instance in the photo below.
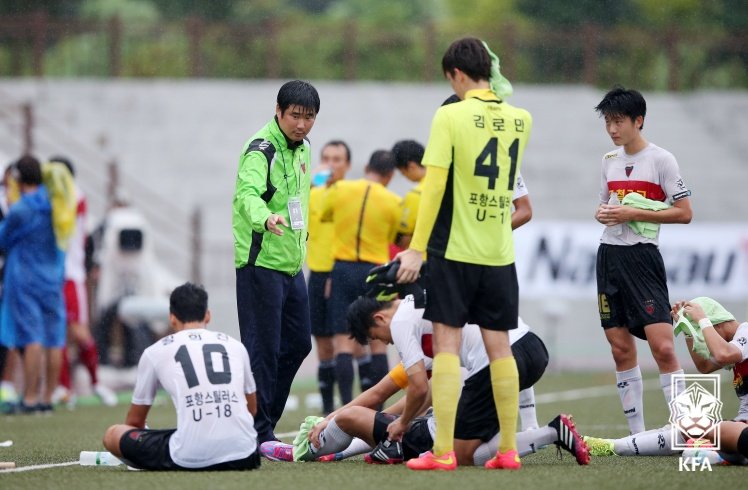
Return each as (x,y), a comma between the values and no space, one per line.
(646,189)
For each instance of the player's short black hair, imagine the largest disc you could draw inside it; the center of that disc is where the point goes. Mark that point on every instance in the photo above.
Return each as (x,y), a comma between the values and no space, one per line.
(340,143)
(406,151)
(382,162)
(189,303)
(622,102)
(29,170)
(65,161)
(470,56)
(300,93)
(361,317)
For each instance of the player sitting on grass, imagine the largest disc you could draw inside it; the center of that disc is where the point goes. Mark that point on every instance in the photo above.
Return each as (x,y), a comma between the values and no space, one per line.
(400,322)
(208,377)
(719,342)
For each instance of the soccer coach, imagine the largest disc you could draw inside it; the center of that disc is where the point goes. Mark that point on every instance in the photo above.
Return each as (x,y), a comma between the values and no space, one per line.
(270,220)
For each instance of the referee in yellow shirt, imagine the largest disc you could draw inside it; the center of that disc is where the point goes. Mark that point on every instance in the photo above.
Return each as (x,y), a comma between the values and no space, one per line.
(472,158)
(335,161)
(408,155)
(365,217)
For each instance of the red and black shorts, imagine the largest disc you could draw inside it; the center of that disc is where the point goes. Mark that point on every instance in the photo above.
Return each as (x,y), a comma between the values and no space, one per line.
(148,449)
(632,287)
(460,293)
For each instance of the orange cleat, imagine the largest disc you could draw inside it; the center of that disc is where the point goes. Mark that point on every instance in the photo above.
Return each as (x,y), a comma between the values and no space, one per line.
(427,461)
(506,461)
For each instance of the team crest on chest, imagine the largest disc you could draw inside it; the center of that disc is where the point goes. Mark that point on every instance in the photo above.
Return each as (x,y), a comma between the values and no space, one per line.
(629,169)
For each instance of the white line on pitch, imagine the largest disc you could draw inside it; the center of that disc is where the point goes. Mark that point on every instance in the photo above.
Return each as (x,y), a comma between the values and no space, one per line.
(38,467)
(592,392)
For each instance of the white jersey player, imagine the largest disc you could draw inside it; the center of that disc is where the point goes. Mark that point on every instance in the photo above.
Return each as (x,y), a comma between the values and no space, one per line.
(640,189)
(401,323)
(727,341)
(208,376)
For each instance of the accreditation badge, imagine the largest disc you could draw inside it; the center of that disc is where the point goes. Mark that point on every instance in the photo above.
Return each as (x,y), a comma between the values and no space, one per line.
(295,213)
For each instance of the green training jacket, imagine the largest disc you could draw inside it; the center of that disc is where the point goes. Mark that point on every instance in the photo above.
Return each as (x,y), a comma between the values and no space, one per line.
(272,169)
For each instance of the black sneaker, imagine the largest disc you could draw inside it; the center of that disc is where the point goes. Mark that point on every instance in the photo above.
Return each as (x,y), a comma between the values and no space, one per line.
(24,409)
(45,408)
(386,452)
(568,438)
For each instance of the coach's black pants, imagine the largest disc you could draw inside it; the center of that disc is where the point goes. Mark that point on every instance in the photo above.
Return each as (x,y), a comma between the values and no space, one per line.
(275,328)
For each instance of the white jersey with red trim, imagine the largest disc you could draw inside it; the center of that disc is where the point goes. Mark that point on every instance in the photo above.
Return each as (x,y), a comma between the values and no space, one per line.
(740,371)
(207,374)
(520,188)
(652,172)
(412,337)
(75,255)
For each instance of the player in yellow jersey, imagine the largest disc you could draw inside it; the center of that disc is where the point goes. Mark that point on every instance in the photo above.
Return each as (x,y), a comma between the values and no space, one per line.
(408,155)
(335,161)
(472,158)
(365,216)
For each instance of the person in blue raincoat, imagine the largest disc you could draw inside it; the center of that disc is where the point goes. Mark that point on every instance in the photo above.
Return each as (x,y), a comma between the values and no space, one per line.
(33,313)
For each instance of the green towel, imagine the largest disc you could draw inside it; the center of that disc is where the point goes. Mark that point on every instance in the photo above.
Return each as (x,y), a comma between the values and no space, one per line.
(715,312)
(499,84)
(302,448)
(643,228)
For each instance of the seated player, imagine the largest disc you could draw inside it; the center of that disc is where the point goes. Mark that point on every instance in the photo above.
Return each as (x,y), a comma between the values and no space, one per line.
(208,376)
(400,322)
(727,342)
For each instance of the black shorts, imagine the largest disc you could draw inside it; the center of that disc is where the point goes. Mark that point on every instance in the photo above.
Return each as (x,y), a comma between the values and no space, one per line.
(416,440)
(148,449)
(476,410)
(631,287)
(460,293)
(319,306)
(348,283)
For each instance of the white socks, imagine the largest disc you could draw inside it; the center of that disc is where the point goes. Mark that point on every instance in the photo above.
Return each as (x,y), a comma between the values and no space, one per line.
(528,442)
(527,415)
(665,382)
(332,440)
(654,442)
(356,447)
(630,390)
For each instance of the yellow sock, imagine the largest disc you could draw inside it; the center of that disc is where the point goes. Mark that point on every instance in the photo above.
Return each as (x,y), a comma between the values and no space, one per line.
(505,384)
(445,392)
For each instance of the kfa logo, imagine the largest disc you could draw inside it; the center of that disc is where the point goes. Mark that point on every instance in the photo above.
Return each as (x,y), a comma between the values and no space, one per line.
(694,463)
(696,412)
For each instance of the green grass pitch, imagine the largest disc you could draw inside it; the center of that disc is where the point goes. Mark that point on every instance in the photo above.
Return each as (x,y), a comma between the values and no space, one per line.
(60,438)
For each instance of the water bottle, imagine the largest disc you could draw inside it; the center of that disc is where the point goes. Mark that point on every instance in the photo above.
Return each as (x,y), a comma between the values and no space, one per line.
(98,458)
(321,177)
(613,200)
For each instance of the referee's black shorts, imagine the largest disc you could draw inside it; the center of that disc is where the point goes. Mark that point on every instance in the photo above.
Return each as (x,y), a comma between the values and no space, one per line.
(148,449)
(460,293)
(476,410)
(319,307)
(632,287)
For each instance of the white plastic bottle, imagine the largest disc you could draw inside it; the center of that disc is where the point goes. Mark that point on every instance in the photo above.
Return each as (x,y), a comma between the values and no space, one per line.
(613,200)
(98,458)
